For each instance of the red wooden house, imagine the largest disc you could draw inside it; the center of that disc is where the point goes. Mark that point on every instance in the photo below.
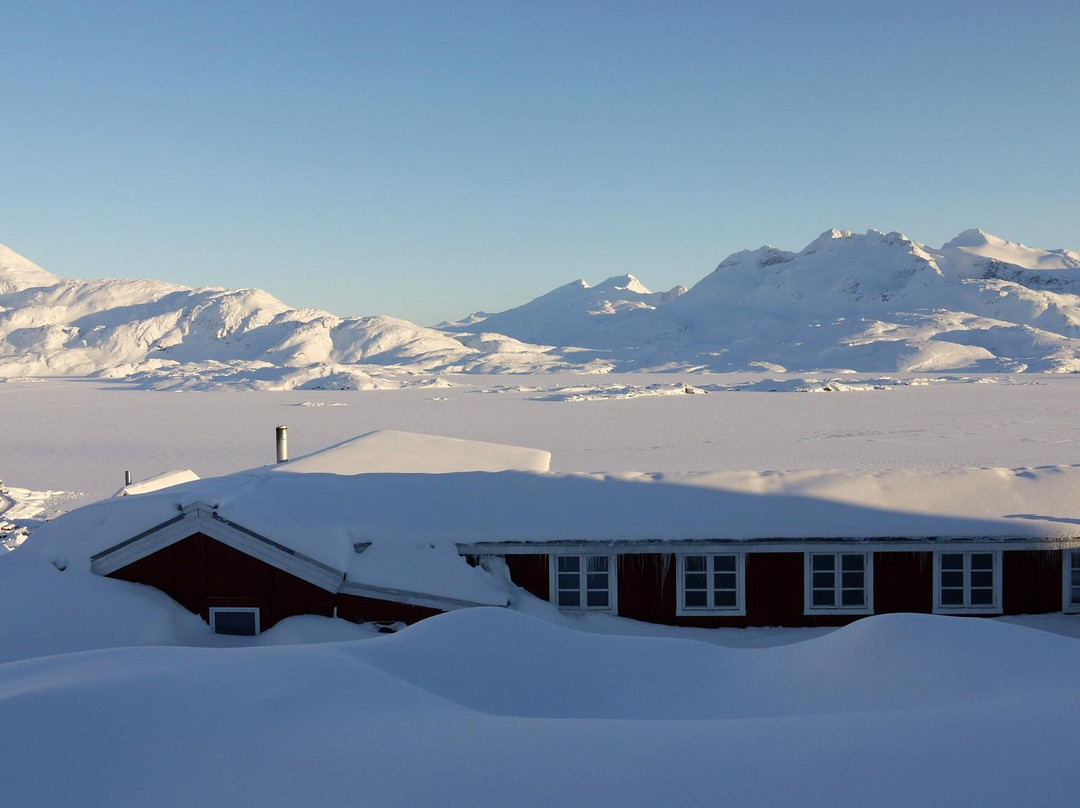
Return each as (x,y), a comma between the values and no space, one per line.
(338,534)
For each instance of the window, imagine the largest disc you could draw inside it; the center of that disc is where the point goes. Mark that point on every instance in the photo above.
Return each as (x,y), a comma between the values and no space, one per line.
(238,621)
(1071,598)
(839,582)
(967,581)
(710,584)
(584,582)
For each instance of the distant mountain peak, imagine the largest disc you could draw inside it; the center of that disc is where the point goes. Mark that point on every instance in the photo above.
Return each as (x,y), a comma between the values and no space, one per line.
(18,273)
(627,283)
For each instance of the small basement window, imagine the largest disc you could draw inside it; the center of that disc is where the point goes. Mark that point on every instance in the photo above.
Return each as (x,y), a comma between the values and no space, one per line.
(239,621)
(584,582)
(839,583)
(710,584)
(967,582)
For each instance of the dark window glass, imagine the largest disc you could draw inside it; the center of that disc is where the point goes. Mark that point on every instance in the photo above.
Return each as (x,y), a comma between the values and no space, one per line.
(851,562)
(696,580)
(724,600)
(598,563)
(982,597)
(952,561)
(695,563)
(822,562)
(238,623)
(569,564)
(952,597)
(952,579)
(697,599)
(982,578)
(724,580)
(823,597)
(570,598)
(982,561)
(724,563)
(597,600)
(852,597)
(851,580)
(596,580)
(823,580)
(569,580)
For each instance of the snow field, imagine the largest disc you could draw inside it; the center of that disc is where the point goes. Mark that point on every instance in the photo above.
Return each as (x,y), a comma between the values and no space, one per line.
(491,707)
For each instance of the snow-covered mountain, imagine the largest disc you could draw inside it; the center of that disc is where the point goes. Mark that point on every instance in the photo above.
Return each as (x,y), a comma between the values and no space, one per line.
(171,336)
(873,302)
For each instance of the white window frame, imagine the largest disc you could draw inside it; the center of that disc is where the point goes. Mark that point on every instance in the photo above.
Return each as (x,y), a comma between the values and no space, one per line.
(868,583)
(967,608)
(254,609)
(613,583)
(738,610)
(1067,606)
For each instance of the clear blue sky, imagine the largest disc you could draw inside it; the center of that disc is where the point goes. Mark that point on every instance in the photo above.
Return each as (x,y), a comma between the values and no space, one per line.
(426,159)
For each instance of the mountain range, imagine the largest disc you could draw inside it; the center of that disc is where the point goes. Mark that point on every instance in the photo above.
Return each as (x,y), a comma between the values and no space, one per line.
(873,302)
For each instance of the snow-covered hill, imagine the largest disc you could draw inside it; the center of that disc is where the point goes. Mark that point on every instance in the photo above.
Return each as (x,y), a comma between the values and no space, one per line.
(875,302)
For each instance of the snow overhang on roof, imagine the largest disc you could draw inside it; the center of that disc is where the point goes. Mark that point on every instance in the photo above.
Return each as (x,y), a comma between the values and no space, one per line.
(389,451)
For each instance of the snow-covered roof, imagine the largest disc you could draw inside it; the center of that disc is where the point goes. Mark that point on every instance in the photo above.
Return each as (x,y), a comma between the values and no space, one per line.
(404,532)
(389,451)
(166,479)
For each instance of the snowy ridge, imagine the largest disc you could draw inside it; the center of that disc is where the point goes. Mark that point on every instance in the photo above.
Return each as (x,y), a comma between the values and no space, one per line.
(873,302)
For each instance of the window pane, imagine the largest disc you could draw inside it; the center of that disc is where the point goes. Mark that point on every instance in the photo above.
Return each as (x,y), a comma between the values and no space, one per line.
(822,562)
(724,600)
(569,580)
(1075,560)
(952,597)
(982,597)
(697,599)
(570,598)
(851,580)
(952,579)
(982,561)
(569,564)
(952,561)
(596,580)
(852,597)
(851,562)
(598,563)
(597,600)
(1075,575)
(823,580)
(1074,598)
(724,563)
(982,578)
(823,597)
(695,563)
(696,580)
(724,580)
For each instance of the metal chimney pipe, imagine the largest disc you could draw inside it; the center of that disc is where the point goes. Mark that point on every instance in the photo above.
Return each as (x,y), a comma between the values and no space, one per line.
(282,443)
(127,479)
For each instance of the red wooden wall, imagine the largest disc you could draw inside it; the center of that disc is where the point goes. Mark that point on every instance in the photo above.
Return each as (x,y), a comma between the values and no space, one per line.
(200,572)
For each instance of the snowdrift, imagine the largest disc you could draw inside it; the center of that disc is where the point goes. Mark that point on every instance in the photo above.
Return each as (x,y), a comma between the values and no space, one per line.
(488,707)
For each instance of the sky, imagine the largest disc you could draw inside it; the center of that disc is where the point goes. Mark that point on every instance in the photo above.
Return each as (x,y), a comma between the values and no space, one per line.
(426,160)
